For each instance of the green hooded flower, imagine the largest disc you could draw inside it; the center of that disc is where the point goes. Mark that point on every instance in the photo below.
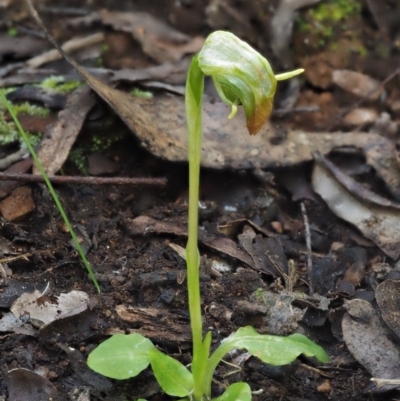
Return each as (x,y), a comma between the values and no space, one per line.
(241,76)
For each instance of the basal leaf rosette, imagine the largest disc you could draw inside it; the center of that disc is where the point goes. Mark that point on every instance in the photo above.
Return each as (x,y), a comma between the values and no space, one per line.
(241,76)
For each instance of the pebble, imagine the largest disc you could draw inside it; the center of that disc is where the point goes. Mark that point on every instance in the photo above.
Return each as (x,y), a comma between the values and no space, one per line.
(325,387)
(358,84)
(18,205)
(361,116)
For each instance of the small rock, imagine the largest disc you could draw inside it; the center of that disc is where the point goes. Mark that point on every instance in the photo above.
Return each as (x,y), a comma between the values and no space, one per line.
(52,375)
(361,116)
(358,84)
(336,246)
(277,226)
(18,205)
(325,387)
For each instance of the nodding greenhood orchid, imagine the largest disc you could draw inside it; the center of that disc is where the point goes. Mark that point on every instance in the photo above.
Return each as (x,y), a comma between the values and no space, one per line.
(241,76)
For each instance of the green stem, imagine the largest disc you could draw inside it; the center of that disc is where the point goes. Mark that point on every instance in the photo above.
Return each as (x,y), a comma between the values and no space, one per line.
(193,101)
(51,189)
(212,364)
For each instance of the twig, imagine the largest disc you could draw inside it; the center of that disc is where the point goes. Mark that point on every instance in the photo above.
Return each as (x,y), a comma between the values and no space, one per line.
(11,259)
(69,46)
(340,116)
(315,370)
(384,382)
(65,10)
(12,158)
(308,244)
(76,180)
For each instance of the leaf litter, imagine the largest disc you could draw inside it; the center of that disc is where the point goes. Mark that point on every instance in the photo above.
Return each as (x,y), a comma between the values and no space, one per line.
(286,147)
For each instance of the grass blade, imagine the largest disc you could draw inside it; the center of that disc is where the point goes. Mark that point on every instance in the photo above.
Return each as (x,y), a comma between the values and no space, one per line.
(51,189)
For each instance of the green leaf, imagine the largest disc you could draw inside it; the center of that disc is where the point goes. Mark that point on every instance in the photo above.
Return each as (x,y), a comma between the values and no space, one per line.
(173,377)
(236,392)
(241,76)
(275,350)
(121,356)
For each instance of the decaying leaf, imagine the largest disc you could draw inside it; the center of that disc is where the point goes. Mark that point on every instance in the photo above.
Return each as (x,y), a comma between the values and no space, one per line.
(377,218)
(59,138)
(144,225)
(370,341)
(266,253)
(387,295)
(159,325)
(42,309)
(25,385)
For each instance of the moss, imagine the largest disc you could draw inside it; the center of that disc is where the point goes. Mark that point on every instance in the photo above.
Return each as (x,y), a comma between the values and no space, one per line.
(96,138)
(59,84)
(334,10)
(140,93)
(328,18)
(8,130)
(258,294)
(78,158)
(12,32)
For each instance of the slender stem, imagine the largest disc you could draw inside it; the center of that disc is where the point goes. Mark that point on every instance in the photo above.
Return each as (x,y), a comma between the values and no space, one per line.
(193,101)
(212,364)
(51,190)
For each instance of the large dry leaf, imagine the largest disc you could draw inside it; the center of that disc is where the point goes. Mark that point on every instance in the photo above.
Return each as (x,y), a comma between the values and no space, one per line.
(370,341)
(160,125)
(378,221)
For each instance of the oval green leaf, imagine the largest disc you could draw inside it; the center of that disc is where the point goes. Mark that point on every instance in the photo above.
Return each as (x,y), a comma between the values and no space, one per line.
(173,377)
(121,356)
(236,392)
(275,350)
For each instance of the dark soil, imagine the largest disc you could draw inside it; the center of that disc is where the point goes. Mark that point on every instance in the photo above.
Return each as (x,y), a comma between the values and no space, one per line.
(139,271)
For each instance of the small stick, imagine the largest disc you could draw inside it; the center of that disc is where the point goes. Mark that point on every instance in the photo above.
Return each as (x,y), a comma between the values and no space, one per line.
(76,180)
(12,158)
(308,244)
(315,370)
(70,46)
(384,382)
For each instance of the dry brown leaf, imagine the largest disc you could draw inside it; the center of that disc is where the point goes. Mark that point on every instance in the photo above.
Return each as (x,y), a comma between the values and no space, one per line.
(144,225)
(377,218)
(158,40)
(60,136)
